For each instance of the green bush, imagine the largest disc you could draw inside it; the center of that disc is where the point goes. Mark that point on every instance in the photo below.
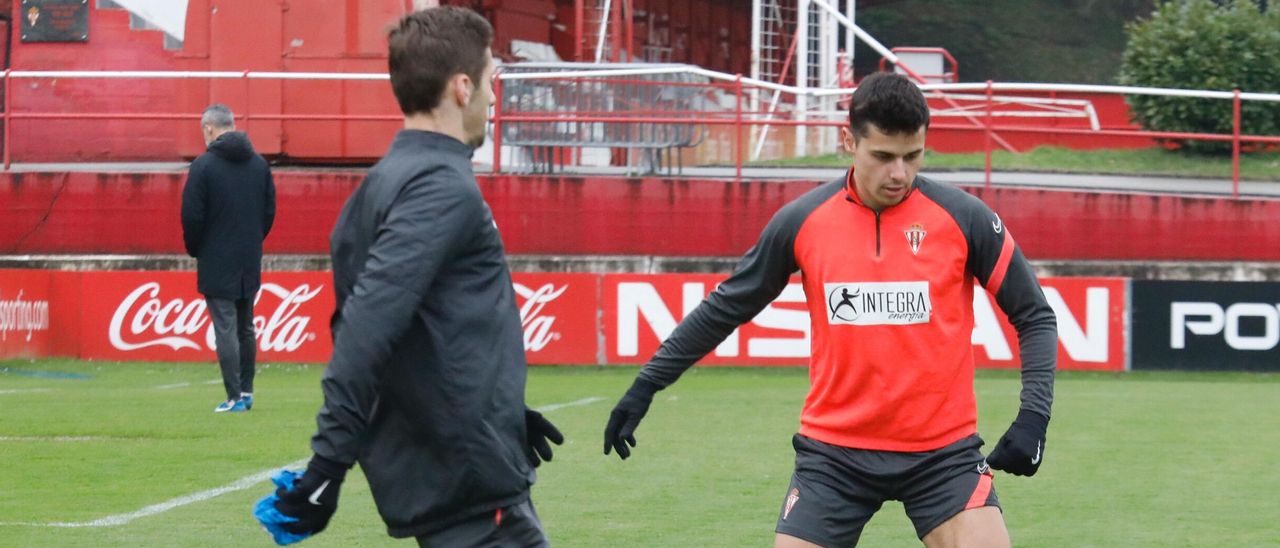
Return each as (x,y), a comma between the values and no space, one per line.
(1206,45)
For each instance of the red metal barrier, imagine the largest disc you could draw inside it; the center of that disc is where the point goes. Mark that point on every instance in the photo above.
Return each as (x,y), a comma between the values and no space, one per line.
(740,119)
(139,213)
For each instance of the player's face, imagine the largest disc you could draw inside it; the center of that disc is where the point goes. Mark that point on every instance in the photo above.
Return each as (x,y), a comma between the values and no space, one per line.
(475,117)
(884,166)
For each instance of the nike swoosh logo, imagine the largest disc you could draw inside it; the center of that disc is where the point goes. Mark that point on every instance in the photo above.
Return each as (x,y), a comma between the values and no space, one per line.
(996,225)
(315,497)
(1036,459)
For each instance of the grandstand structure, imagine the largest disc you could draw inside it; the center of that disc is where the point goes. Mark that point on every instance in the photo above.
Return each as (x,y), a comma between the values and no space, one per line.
(618,148)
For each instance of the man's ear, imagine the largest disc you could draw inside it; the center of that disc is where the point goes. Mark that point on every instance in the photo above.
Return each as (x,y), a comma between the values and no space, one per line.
(462,89)
(848,141)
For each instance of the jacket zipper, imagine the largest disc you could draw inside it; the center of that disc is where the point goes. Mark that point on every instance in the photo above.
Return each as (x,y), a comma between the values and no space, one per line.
(877,233)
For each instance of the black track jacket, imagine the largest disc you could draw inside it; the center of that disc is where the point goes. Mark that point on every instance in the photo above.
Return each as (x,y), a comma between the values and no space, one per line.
(426,385)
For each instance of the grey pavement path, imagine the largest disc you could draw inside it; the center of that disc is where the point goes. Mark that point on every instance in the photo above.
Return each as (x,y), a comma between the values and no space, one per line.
(1111,183)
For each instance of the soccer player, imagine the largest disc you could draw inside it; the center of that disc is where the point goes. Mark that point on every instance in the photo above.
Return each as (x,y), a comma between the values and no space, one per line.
(426,385)
(888,260)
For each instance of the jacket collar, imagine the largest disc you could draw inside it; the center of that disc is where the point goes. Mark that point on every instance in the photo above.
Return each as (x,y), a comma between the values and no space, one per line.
(417,138)
(851,194)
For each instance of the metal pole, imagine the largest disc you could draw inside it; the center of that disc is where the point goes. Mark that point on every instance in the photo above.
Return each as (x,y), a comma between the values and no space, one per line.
(8,118)
(247,104)
(618,33)
(986,145)
(497,125)
(802,74)
(1235,145)
(603,29)
(850,39)
(757,27)
(629,24)
(580,13)
(737,134)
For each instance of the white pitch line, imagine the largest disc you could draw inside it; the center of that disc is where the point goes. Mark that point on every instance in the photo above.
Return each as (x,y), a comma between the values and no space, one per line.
(121,519)
(238,485)
(182,384)
(583,401)
(23,390)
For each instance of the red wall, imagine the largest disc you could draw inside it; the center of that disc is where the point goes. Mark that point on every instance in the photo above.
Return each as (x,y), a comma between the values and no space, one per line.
(348,36)
(958,134)
(111,45)
(324,36)
(139,213)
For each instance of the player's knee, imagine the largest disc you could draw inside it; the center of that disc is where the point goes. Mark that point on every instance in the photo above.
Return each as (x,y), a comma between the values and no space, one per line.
(788,541)
(975,528)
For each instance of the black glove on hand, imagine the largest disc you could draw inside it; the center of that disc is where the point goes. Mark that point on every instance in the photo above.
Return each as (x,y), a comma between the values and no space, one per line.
(540,430)
(620,432)
(1021,450)
(314,497)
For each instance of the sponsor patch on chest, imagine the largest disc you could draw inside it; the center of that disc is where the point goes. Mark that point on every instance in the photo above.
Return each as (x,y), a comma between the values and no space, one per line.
(878,303)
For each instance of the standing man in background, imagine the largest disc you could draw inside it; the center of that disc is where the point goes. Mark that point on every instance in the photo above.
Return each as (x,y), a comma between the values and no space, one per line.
(426,385)
(889,260)
(228,206)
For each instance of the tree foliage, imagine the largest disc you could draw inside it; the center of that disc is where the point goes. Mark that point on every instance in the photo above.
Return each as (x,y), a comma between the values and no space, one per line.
(1206,45)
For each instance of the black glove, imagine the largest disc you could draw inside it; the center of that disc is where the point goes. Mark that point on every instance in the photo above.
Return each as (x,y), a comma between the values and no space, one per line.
(540,430)
(1021,450)
(314,497)
(620,432)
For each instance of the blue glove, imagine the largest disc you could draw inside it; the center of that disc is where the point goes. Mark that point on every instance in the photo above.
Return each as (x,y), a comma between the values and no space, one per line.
(303,502)
(271,518)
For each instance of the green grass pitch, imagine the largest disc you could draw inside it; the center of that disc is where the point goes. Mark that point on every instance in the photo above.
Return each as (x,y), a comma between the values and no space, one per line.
(119,450)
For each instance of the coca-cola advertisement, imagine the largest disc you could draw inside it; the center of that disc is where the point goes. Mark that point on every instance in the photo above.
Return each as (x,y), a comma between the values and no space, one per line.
(24,313)
(159,316)
(559,315)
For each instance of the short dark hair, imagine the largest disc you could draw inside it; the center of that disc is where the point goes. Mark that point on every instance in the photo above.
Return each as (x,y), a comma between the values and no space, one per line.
(890,101)
(428,47)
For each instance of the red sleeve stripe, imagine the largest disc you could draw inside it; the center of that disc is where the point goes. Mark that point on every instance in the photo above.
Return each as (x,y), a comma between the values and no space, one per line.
(1002,265)
(980,493)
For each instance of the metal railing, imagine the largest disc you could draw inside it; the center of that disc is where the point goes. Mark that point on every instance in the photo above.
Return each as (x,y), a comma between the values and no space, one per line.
(550,107)
(547,144)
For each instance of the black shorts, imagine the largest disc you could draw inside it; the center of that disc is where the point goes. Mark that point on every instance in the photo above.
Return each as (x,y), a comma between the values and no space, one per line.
(516,526)
(835,490)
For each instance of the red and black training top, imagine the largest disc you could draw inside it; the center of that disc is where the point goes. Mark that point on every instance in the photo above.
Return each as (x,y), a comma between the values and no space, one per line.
(890,299)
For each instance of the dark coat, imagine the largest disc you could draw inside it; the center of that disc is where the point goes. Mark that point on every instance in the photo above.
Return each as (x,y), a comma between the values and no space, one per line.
(425,388)
(228,206)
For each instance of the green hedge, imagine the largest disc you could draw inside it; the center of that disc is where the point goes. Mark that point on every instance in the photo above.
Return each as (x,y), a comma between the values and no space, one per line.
(1201,44)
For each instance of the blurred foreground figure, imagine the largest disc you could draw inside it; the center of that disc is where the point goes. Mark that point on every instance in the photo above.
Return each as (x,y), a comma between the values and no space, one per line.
(426,385)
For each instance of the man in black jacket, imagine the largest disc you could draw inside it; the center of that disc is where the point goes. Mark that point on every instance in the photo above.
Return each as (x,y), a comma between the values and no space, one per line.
(426,385)
(228,205)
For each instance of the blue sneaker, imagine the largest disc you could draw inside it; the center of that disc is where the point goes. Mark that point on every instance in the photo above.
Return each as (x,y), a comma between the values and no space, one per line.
(248,401)
(233,406)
